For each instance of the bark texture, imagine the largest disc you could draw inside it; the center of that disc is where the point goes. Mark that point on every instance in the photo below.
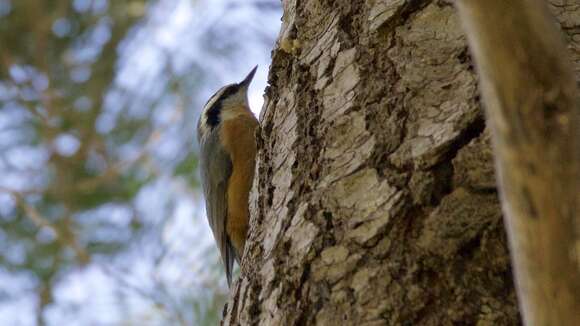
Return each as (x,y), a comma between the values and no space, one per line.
(375,200)
(534,111)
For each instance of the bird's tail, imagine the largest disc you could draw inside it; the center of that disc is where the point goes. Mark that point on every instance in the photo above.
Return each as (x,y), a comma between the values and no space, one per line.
(229,263)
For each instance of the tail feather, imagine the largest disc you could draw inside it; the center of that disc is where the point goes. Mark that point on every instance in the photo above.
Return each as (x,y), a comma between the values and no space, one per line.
(229,262)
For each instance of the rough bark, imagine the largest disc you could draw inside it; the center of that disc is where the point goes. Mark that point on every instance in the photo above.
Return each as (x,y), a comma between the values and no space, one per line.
(375,200)
(534,113)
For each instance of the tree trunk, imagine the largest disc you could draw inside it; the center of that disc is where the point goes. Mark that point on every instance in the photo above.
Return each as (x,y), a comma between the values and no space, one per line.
(375,200)
(532,104)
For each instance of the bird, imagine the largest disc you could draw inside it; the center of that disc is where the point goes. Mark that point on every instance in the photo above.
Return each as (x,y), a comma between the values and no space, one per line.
(227,142)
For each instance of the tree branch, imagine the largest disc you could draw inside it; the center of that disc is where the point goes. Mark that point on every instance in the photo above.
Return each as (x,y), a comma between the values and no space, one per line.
(65,238)
(533,110)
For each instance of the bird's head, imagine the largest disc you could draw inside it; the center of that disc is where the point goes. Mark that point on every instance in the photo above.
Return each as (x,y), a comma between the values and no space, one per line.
(227,103)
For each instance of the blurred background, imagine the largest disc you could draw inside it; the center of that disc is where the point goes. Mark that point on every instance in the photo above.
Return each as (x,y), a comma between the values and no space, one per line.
(101,216)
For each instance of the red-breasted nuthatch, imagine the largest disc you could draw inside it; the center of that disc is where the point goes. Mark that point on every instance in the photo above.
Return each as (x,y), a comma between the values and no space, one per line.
(226,135)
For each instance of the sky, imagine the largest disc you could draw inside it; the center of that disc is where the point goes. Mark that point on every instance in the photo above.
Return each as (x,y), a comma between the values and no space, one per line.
(129,291)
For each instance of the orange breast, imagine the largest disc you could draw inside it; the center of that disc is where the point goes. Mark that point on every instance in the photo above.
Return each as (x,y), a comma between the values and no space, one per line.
(238,138)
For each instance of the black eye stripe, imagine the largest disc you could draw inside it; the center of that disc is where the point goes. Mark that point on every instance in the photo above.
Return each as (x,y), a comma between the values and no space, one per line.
(213,113)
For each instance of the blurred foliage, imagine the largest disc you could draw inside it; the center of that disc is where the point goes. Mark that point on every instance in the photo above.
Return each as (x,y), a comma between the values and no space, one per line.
(97,155)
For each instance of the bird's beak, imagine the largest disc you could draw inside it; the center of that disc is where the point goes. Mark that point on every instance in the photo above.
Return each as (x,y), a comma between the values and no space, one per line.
(246,82)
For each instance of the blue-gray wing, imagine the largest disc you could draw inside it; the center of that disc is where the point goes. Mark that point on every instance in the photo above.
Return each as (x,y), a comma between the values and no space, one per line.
(215,170)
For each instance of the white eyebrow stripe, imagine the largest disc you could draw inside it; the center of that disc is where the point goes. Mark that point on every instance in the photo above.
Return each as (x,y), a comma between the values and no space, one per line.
(213,99)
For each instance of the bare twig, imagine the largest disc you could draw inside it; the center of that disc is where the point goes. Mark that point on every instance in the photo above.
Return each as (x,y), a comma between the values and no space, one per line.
(166,305)
(116,169)
(42,222)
